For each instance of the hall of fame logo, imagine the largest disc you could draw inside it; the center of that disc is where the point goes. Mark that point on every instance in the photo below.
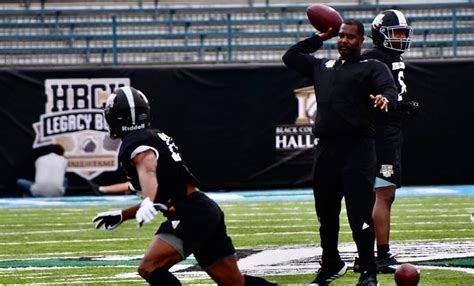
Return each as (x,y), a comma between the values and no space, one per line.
(299,136)
(74,118)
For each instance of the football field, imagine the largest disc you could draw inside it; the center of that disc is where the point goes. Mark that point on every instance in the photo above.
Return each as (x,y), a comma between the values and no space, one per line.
(53,242)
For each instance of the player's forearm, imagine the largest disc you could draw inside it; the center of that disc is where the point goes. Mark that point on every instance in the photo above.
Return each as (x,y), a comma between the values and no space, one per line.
(391,95)
(149,184)
(130,212)
(299,57)
(146,164)
(307,46)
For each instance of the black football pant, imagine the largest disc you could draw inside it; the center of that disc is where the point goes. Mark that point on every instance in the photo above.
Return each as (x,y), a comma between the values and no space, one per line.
(345,167)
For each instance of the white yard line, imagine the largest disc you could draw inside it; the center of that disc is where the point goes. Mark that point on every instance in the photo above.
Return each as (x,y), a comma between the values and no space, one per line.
(72,241)
(289,260)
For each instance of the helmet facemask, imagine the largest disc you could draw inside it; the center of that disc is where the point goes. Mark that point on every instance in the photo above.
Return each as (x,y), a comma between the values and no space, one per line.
(393,41)
(390,30)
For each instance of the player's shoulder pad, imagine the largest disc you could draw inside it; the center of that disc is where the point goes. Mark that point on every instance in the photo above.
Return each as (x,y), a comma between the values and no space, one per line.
(378,66)
(374,53)
(135,139)
(371,62)
(139,135)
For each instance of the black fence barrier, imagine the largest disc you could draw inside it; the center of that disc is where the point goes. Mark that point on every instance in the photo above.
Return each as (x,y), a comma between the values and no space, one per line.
(237,126)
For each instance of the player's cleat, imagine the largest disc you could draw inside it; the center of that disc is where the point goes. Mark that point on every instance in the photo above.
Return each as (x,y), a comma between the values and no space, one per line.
(367,279)
(327,274)
(356,267)
(387,264)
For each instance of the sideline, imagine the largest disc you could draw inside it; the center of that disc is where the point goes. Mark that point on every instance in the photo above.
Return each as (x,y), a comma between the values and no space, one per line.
(224,196)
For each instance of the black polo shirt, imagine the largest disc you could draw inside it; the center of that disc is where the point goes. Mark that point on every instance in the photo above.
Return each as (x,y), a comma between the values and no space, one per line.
(343,89)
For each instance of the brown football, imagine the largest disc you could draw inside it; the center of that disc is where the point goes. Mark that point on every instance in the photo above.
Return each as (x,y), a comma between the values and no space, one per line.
(407,275)
(323,17)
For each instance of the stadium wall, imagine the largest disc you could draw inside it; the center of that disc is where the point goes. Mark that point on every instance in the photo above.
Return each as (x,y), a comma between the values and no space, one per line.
(238,126)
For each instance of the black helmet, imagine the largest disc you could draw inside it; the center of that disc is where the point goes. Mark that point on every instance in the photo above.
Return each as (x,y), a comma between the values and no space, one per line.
(384,27)
(127,109)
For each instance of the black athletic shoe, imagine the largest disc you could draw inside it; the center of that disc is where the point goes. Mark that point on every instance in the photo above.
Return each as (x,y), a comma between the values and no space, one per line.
(367,279)
(327,274)
(356,267)
(387,264)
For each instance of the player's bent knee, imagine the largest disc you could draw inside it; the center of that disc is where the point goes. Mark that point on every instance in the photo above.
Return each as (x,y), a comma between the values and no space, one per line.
(147,266)
(160,276)
(144,274)
(144,270)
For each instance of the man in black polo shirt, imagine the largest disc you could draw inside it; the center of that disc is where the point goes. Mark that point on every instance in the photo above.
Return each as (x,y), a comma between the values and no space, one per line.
(348,91)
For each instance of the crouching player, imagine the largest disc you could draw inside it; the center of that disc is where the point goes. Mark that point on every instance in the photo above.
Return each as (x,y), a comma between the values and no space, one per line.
(195,223)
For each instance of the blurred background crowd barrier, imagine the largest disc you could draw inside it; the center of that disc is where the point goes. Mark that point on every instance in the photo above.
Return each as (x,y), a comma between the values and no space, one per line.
(197,32)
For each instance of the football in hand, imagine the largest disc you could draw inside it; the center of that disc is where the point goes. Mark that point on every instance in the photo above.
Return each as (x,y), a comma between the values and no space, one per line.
(407,275)
(323,17)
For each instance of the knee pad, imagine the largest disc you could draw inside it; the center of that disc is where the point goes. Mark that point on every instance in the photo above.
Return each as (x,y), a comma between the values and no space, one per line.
(161,276)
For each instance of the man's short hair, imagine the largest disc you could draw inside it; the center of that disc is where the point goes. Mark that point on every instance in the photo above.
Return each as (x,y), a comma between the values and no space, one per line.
(58,149)
(360,26)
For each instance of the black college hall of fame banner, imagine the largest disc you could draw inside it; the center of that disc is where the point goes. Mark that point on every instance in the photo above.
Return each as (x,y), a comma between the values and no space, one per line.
(295,142)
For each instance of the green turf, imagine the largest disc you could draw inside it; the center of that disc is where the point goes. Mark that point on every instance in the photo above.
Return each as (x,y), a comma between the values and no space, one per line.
(460,262)
(50,236)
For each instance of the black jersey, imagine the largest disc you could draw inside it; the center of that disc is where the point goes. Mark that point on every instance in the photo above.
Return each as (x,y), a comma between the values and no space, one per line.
(342,89)
(172,173)
(396,65)
(388,125)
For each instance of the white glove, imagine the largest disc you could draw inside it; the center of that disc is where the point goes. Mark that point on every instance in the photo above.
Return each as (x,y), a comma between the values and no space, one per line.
(146,212)
(110,220)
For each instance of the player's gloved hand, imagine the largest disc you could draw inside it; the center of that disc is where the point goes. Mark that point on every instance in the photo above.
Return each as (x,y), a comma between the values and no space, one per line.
(110,220)
(146,213)
(410,107)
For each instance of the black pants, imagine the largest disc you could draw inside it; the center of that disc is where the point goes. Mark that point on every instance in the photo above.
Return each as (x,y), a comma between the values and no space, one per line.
(345,167)
(202,229)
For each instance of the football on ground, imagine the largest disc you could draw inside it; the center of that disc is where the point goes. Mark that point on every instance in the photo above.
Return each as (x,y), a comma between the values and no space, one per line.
(407,275)
(323,17)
